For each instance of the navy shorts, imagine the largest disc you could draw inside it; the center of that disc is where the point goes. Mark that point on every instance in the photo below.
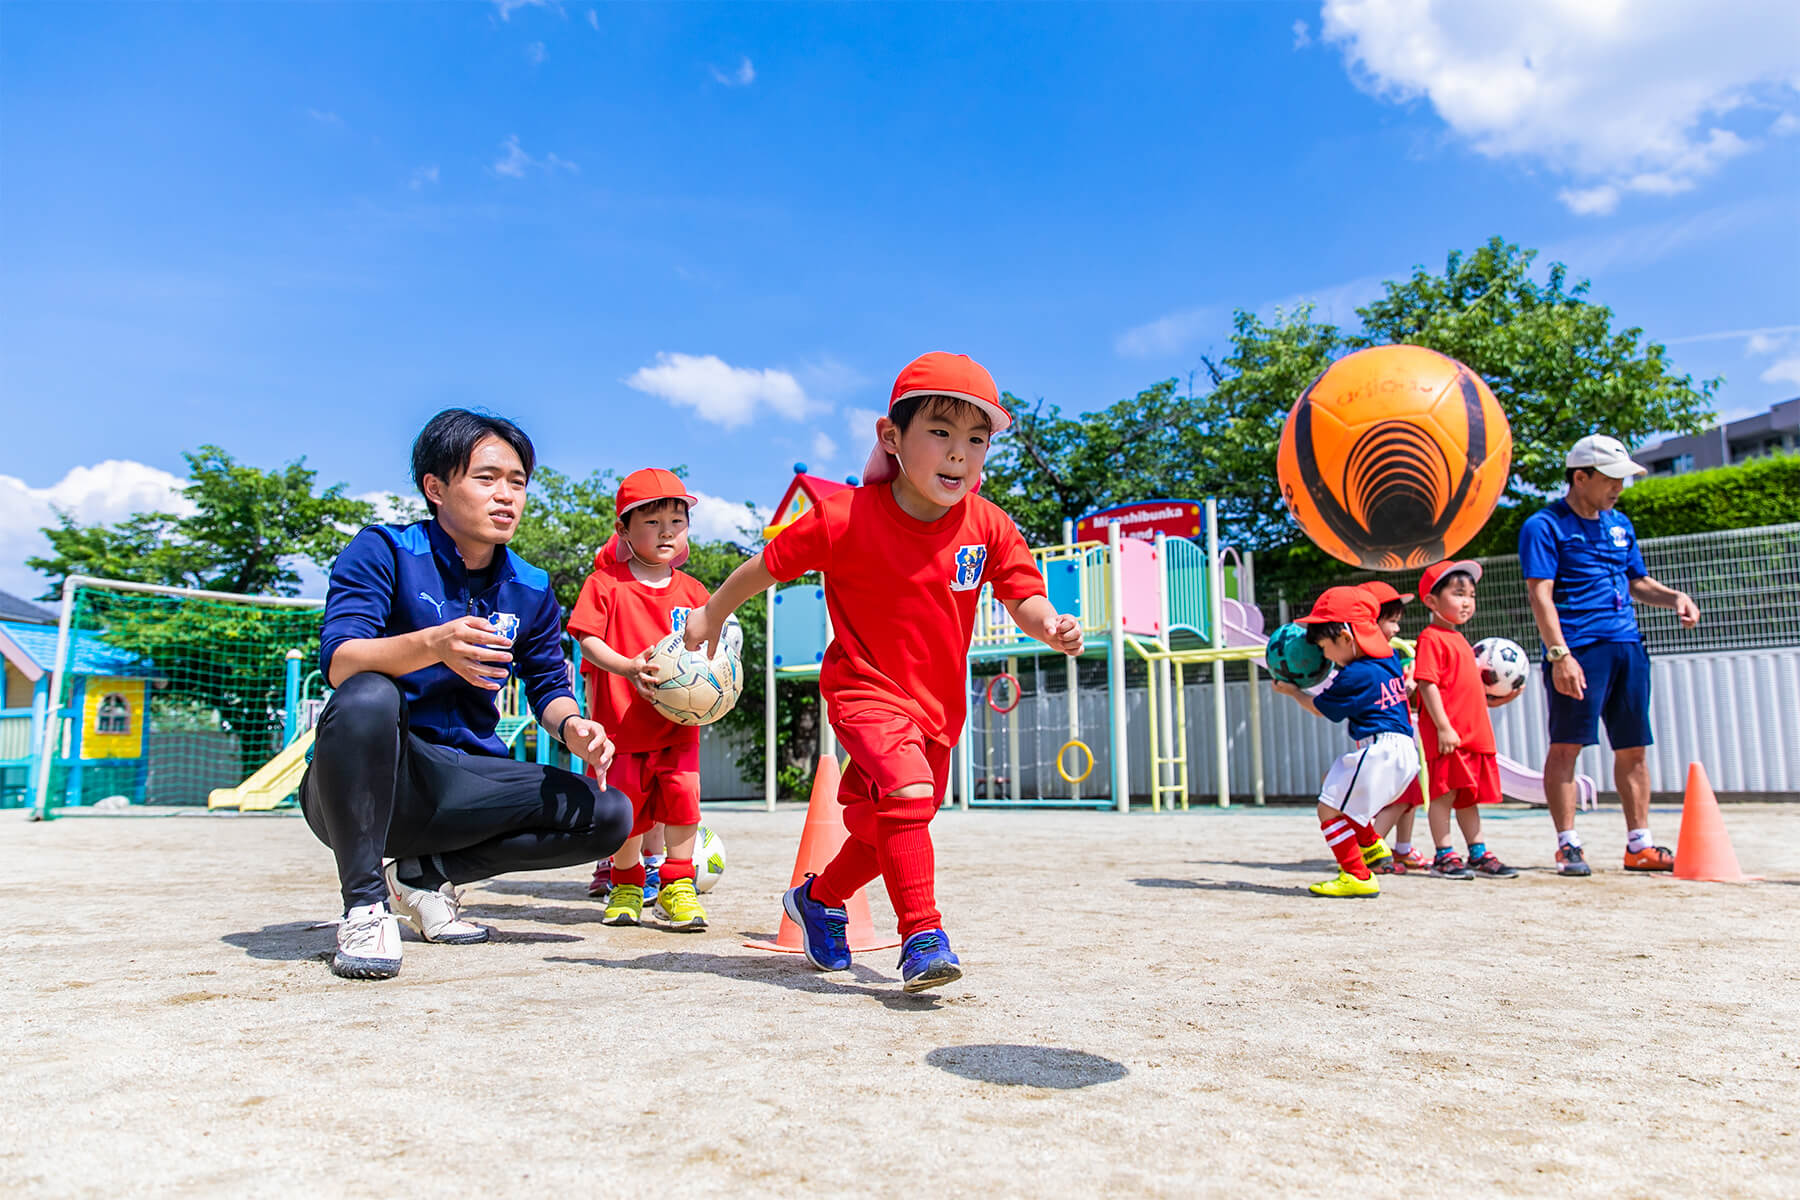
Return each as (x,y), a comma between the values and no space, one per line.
(1618,692)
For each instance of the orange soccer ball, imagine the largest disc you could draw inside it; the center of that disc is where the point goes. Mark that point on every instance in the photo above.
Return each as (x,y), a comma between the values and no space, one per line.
(1394,457)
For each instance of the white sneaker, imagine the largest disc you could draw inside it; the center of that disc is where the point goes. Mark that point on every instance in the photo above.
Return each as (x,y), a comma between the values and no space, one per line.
(433,914)
(368,944)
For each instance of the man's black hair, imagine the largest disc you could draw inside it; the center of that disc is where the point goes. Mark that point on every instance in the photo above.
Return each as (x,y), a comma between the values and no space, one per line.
(651,508)
(1569,475)
(444,447)
(934,405)
(1324,631)
(1443,583)
(1391,611)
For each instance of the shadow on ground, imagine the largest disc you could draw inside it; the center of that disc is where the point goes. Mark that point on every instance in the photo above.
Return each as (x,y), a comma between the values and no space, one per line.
(778,970)
(1220,885)
(1027,1066)
(291,941)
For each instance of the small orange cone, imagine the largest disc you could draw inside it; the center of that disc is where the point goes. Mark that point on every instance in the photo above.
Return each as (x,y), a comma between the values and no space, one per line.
(821,838)
(1704,851)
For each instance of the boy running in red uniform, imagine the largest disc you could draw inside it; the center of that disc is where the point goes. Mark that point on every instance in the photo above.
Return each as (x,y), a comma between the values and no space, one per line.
(1370,694)
(1459,738)
(635,597)
(904,557)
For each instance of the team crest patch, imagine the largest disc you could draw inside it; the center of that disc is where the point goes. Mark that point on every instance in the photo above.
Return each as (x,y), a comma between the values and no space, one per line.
(1618,536)
(678,616)
(969,561)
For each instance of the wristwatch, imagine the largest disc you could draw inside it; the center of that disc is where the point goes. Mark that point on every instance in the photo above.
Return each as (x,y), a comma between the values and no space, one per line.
(1554,653)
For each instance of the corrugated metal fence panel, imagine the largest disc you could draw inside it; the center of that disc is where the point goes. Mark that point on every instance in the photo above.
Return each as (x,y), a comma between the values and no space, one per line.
(1738,712)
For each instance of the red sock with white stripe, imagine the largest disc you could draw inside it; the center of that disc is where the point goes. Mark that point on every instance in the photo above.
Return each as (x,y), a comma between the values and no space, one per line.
(1340,835)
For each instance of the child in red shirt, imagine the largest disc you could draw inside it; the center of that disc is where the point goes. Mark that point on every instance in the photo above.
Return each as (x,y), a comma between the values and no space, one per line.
(635,597)
(904,558)
(1398,819)
(1458,737)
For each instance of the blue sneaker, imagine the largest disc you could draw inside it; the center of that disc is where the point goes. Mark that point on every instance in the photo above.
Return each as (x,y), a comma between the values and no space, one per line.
(927,962)
(652,878)
(822,929)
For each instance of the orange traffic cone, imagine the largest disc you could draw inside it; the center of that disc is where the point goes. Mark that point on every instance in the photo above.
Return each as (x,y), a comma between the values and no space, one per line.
(1704,851)
(820,839)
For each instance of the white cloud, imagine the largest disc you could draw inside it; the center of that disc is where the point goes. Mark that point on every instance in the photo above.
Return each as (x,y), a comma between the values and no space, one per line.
(1302,35)
(1768,334)
(719,392)
(324,118)
(508,7)
(1783,370)
(422,176)
(536,53)
(1619,96)
(513,162)
(105,492)
(823,448)
(392,508)
(594,20)
(744,76)
(716,519)
(1786,125)
(861,424)
(1167,334)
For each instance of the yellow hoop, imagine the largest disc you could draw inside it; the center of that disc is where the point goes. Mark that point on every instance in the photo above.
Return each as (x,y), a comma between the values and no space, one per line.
(1080,745)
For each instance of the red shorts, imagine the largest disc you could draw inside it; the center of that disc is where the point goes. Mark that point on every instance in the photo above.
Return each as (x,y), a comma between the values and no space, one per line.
(888,752)
(663,785)
(1472,775)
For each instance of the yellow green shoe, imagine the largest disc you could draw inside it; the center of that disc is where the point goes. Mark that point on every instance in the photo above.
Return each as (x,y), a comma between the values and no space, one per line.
(1377,852)
(625,906)
(1346,887)
(680,906)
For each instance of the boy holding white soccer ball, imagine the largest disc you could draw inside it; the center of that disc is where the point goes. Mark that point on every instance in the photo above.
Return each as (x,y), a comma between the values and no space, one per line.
(636,596)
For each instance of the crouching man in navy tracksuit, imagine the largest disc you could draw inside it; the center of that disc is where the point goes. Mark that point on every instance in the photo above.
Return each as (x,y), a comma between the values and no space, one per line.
(423,626)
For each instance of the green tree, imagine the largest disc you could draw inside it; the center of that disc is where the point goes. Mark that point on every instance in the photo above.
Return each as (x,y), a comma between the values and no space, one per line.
(246,531)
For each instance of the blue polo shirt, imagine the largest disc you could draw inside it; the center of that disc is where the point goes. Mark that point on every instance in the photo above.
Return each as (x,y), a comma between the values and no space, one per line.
(1370,694)
(1592,564)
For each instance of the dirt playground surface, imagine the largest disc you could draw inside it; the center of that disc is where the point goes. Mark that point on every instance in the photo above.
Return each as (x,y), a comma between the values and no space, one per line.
(1153,1006)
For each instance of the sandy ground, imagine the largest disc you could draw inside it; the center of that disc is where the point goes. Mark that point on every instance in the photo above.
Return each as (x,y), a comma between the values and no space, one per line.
(1153,1007)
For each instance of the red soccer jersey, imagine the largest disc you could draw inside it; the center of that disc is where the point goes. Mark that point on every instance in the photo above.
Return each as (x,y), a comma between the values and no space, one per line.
(1446,659)
(902,593)
(628,614)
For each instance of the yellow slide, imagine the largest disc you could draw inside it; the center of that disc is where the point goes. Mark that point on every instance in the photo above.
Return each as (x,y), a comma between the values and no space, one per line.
(275,782)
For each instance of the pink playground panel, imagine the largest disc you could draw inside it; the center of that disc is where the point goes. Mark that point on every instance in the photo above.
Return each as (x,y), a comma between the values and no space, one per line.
(1141,575)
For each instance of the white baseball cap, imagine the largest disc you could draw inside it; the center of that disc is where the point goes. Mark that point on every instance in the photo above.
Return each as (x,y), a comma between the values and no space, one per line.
(1607,455)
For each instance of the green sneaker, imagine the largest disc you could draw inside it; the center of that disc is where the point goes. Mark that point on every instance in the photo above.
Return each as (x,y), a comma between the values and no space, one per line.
(680,906)
(625,906)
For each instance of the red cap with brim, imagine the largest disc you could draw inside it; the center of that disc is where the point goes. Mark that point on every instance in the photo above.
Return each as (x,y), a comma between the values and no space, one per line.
(1437,571)
(1355,607)
(636,490)
(939,374)
(1384,592)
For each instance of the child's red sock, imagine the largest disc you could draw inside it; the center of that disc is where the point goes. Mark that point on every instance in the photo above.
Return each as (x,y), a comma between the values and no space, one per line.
(676,868)
(908,862)
(633,876)
(1340,835)
(1365,835)
(855,863)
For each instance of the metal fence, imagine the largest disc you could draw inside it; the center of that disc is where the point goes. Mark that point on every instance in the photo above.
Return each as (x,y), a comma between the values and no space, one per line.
(1746,582)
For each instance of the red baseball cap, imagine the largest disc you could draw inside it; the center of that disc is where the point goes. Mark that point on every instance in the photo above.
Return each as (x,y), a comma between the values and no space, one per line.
(1437,571)
(1355,607)
(1383,591)
(939,374)
(636,490)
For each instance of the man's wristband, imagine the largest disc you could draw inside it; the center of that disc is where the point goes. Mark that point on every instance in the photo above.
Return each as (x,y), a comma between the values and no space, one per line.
(562,725)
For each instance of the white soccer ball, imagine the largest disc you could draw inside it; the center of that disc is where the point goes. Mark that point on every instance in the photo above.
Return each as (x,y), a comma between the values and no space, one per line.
(709,859)
(1503,664)
(699,686)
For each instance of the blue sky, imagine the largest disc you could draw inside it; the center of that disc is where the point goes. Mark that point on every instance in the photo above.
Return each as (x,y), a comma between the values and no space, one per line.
(660,234)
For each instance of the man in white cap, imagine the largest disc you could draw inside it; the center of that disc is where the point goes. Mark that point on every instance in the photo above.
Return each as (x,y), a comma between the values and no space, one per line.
(1582,572)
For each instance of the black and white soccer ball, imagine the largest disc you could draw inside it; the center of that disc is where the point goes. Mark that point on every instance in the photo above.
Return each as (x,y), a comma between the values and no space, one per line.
(1503,664)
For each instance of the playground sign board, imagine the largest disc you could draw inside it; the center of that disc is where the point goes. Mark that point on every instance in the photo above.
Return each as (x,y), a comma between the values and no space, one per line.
(1143,520)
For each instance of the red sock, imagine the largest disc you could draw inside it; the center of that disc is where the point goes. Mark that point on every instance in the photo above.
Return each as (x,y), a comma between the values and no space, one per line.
(855,864)
(1365,835)
(677,868)
(628,875)
(1340,835)
(908,862)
